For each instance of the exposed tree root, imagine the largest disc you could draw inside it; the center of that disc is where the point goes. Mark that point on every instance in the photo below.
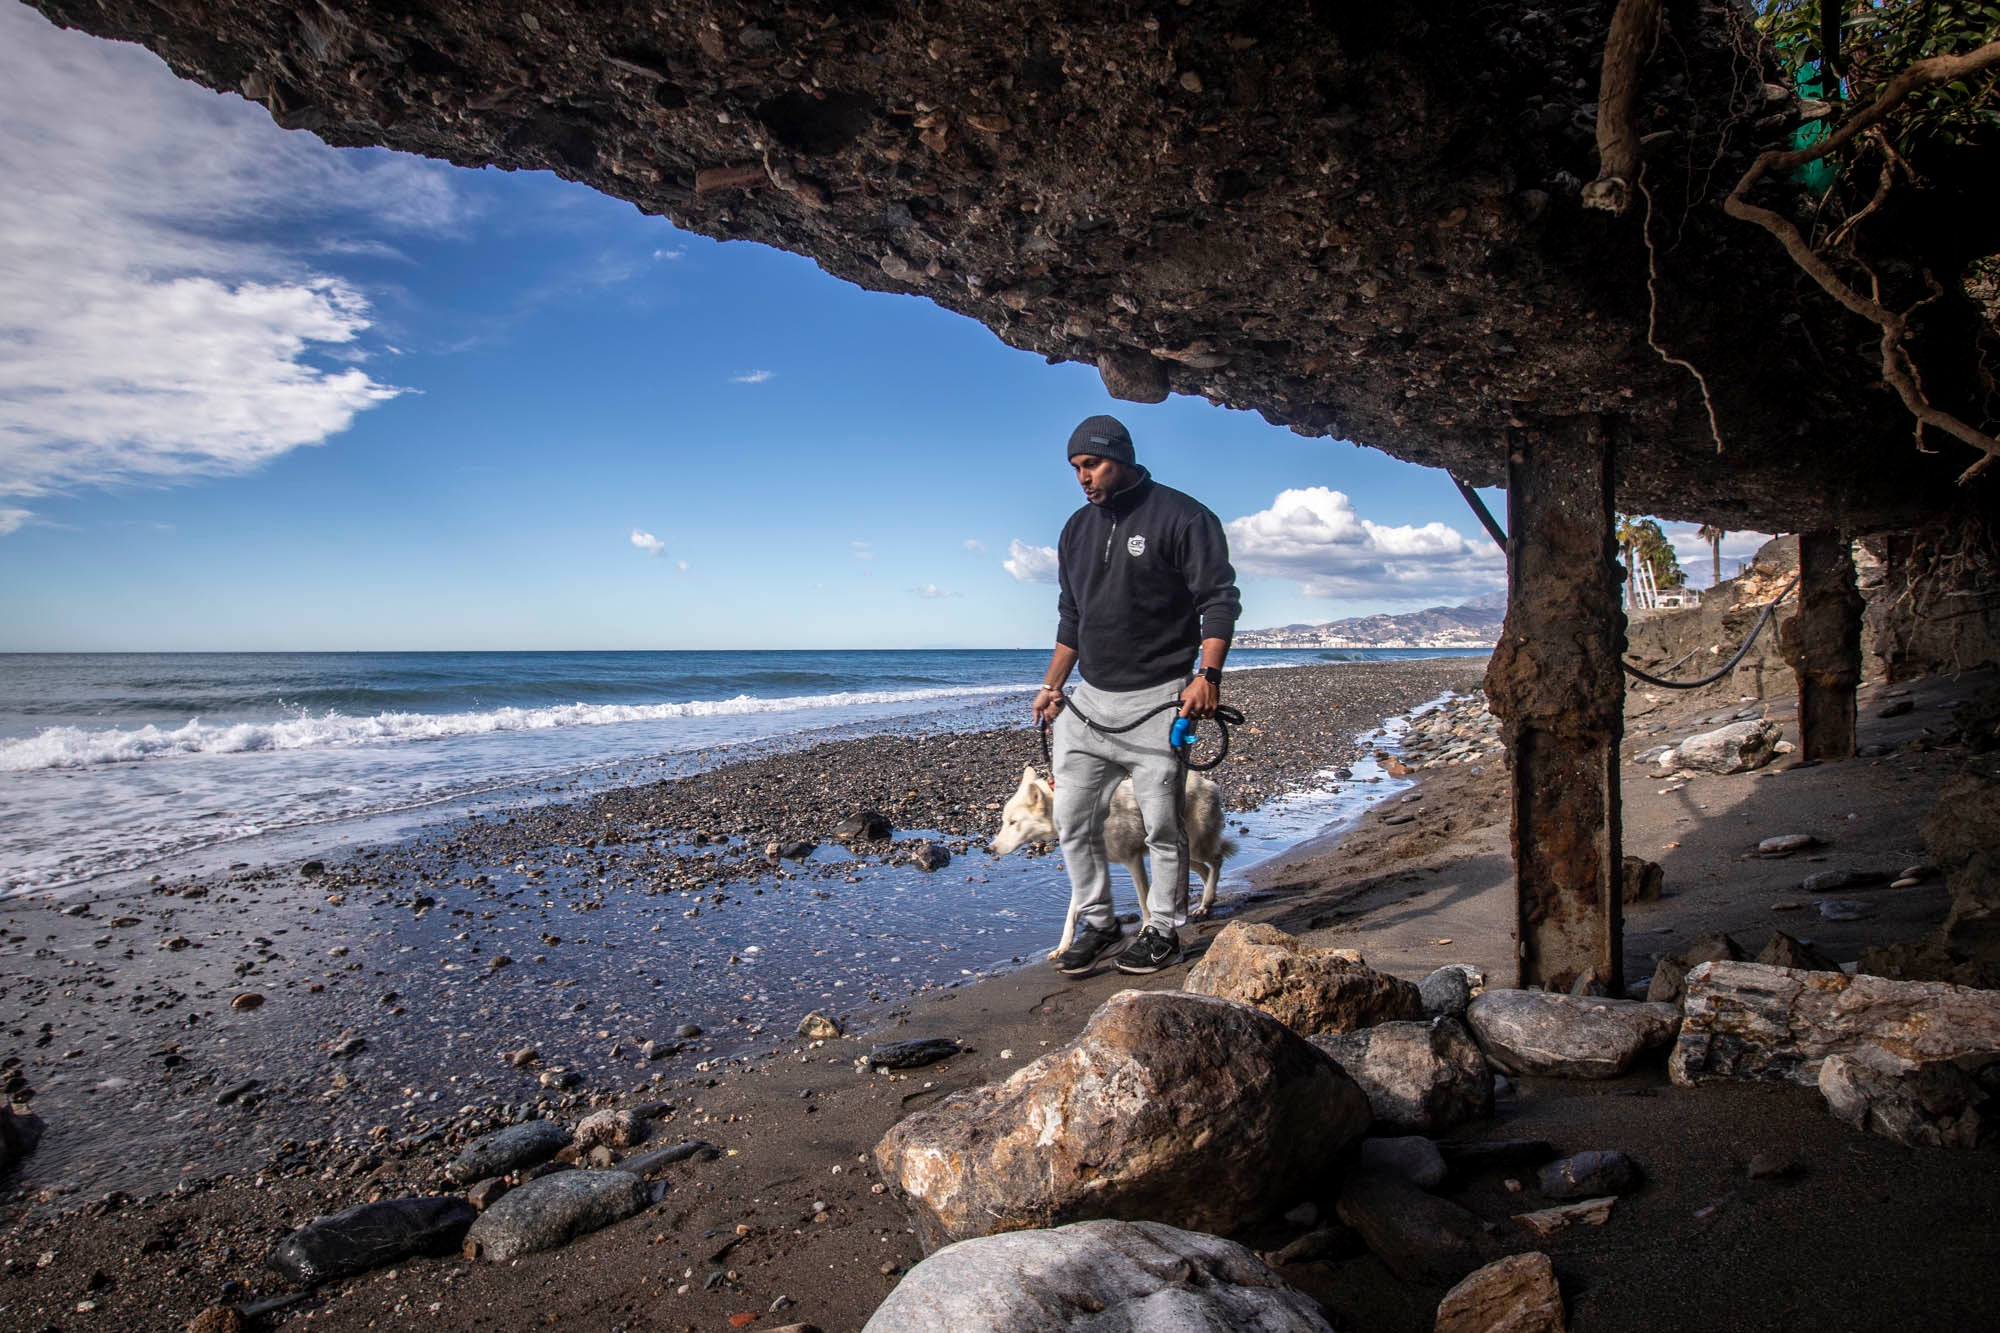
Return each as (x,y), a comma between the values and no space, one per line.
(1633,27)
(1896,367)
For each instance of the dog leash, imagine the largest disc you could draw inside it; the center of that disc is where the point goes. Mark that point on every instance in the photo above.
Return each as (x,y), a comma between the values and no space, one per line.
(1225,717)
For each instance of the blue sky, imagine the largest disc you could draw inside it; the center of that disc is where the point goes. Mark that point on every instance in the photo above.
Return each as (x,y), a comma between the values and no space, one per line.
(265,394)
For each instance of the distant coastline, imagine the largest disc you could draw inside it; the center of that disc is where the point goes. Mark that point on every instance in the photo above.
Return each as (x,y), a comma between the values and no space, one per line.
(1475,624)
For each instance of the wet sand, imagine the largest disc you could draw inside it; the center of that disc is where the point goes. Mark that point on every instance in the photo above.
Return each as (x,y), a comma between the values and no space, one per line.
(1865,1234)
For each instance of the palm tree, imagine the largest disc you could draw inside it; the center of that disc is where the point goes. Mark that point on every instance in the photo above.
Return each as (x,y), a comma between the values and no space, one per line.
(1713,535)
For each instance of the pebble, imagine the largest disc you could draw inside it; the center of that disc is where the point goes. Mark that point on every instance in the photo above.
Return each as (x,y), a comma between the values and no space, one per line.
(1844,909)
(1784,844)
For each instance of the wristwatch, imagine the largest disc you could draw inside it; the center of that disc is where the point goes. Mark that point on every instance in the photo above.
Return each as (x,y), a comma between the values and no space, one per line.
(1213,675)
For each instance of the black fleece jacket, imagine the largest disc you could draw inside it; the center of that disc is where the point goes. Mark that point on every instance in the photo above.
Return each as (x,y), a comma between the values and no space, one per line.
(1145,577)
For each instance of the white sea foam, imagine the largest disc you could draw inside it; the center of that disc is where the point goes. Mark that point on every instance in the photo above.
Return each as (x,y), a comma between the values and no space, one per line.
(76,747)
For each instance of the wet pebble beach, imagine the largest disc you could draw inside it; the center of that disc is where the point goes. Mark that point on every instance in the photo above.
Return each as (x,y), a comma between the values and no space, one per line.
(335,1015)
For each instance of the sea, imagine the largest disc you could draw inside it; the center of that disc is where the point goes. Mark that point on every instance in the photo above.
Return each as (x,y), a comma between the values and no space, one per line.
(116,763)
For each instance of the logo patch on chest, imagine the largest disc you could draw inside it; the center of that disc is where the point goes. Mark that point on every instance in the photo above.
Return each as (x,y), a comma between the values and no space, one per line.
(1135,546)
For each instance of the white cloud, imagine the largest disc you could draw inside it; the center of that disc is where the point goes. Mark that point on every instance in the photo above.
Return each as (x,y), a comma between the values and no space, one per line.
(647,542)
(930,592)
(663,253)
(1699,561)
(683,566)
(862,550)
(973,546)
(1030,564)
(12,519)
(752,377)
(1314,536)
(160,318)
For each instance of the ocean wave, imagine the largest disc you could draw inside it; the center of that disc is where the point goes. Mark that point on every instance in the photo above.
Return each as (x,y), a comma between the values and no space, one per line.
(76,747)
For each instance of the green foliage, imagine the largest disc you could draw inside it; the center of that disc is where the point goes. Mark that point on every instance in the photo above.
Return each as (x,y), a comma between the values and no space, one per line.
(1642,539)
(1880,39)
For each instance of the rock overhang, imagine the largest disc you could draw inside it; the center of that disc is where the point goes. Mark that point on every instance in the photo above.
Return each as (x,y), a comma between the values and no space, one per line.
(1361,223)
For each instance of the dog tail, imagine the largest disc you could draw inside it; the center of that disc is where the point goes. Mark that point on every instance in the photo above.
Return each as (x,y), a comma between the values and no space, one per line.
(1226,848)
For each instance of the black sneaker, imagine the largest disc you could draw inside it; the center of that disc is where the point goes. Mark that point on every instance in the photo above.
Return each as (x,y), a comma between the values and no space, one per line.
(1088,945)
(1154,950)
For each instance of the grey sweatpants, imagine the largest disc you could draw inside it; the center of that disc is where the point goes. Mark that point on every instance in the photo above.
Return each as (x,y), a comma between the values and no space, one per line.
(1088,765)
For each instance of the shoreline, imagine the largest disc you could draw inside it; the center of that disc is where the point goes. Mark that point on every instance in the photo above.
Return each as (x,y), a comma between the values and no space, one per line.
(390,979)
(786,1224)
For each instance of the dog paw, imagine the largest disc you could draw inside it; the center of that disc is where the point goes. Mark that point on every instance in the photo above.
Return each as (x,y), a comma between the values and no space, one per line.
(1199,914)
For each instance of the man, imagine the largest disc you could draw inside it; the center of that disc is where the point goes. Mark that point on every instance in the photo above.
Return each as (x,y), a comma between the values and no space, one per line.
(1145,581)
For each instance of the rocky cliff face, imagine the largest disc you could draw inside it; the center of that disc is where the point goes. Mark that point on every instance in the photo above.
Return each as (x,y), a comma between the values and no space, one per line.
(1362,221)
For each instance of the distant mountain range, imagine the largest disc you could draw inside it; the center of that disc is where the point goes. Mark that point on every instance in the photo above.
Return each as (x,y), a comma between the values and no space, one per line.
(1476,624)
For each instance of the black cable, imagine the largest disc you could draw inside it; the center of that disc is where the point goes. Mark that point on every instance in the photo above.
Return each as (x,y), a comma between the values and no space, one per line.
(1500,538)
(1225,717)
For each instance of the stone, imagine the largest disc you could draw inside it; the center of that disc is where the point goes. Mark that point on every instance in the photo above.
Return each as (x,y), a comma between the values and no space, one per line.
(1420,1237)
(863,826)
(1589,1175)
(1643,880)
(645,1164)
(1308,990)
(508,1150)
(1322,1243)
(817,1026)
(1135,376)
(1829,881)
(1784,844)
(1446,992)
(610,1128)
(1736,748)
(1784,951)
(1517,1294)
(219,1319)
(1936,1104)
(1668,980)
(19,1133)
(1421,1078)
(554,1210)
(1495,1154)
(1844,909)
(929,856)
(1411,1156)
(1176,1108)
(369,1236)
(789,851)
(912,1054)
(1569,1036)
(487,1192)
(246,1001)
(1104,1276)
(1770,1024)
(1547,1221)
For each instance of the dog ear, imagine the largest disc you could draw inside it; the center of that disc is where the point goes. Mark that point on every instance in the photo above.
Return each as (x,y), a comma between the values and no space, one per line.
(1027,776)
(1040,794)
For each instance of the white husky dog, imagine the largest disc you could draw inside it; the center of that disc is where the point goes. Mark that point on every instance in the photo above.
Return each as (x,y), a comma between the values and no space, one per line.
(1030,816)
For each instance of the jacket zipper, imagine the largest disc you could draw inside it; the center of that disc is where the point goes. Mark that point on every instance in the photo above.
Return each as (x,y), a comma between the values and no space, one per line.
(1110,535)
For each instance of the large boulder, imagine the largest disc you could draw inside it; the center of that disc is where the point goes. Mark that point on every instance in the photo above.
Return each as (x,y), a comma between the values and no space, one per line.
(369,1236)
(1937,1104)
(1570,1036)
(1517,1294)
(1104,1277)
(1421,1078)
(1308,990)
(1736,748)
(1167,1107)
(554,1210)
(1771,1024)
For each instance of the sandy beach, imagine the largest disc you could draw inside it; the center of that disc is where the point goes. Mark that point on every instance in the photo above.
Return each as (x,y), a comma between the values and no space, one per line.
(188,1131)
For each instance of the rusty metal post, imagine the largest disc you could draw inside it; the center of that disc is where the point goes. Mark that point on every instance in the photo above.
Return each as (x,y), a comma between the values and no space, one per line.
(1557,686)
(1823,645)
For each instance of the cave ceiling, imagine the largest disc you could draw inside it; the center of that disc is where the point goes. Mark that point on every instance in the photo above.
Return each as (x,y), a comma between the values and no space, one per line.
(1361,220)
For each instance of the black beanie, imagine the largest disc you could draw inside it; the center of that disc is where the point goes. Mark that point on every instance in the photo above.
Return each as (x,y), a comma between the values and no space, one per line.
(1105,437)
